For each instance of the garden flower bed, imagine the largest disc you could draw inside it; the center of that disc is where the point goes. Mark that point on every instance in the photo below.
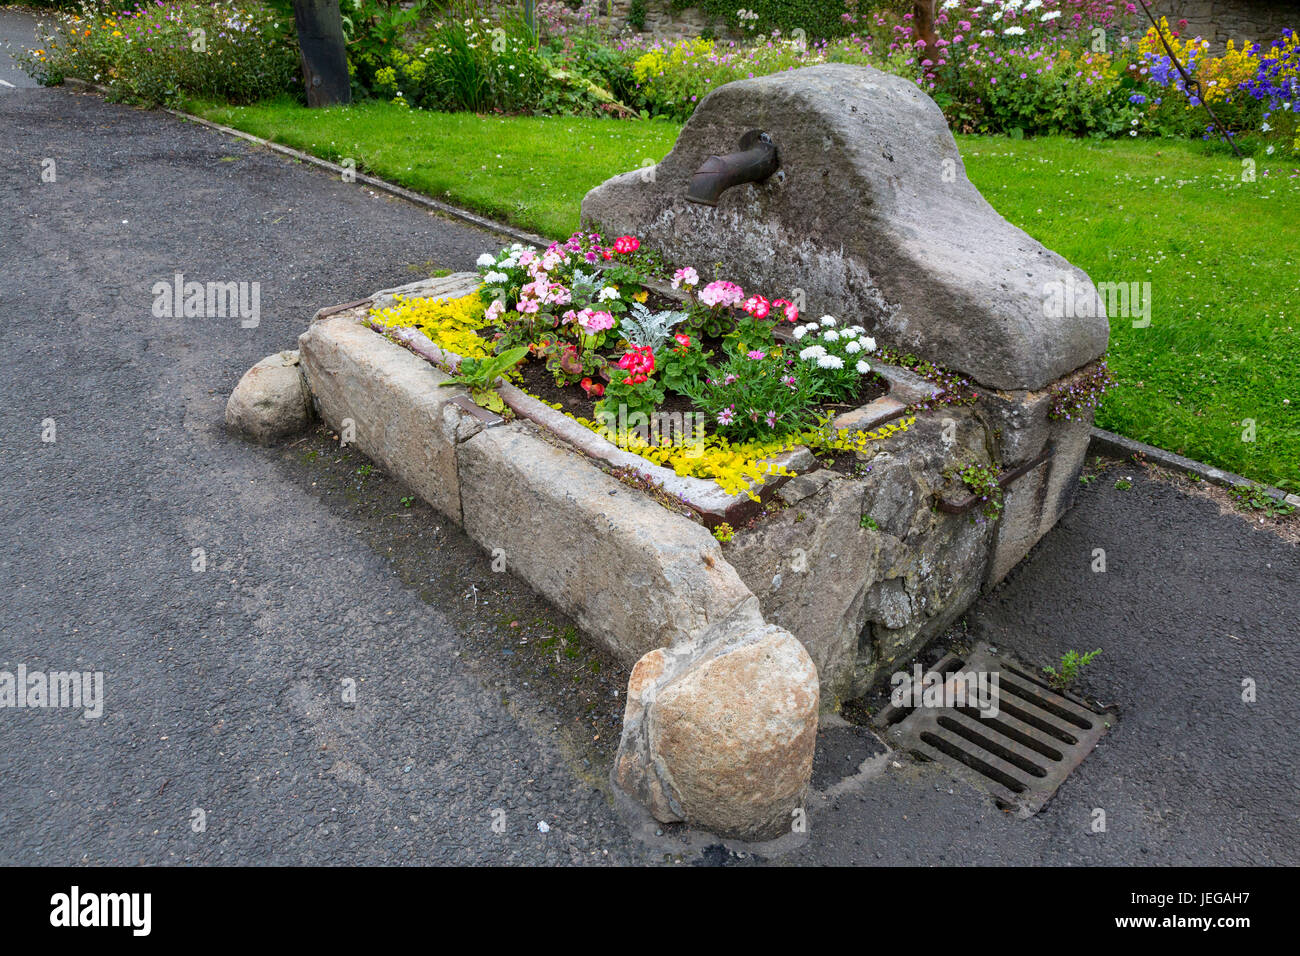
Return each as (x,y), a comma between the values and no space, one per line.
(678,381)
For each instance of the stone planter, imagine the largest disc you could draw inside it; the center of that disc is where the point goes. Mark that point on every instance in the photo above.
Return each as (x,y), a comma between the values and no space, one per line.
(735,649)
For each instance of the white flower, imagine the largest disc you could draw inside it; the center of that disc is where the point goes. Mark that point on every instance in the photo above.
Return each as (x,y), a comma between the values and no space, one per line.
(830,335)
(496,278)
(830,361)
(854,347)
(508,263)
(1013,31)
(812,352)
(1049,15)
(868,343)
(799,332)
(607,293)
(827,320)
(487,259)
(849,333)
(1269,151)
(1265,128)
(1033,5)
(857,330)
(863,368)
(951,4)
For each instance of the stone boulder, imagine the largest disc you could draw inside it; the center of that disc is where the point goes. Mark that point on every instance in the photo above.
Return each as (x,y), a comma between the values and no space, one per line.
(872,217)
(722,733)
(271,401)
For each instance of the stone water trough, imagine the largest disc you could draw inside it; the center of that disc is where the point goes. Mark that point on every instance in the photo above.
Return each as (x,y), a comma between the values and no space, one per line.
(736,648)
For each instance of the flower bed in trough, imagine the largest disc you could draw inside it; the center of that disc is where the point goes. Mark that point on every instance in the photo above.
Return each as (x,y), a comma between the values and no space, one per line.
(711,396)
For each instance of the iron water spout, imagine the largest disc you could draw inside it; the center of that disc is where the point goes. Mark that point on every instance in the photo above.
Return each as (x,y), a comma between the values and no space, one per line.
(755,162)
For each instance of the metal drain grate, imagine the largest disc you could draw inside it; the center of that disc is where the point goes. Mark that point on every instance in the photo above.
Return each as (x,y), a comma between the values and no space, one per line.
(1019,756)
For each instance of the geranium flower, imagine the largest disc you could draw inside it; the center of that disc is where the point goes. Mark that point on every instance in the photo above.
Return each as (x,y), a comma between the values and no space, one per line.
(639,363)
(685,277)
(625,245)
(683,341)
(788,308)
(722,293)
(594,323)
(757,306)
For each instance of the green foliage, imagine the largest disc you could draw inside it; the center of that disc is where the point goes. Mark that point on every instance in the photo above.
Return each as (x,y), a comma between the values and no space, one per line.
(1254,498)
(982,481)
(480,376)
(817,18)
(636,13)
(236,51)
(1071,663)
(758,399)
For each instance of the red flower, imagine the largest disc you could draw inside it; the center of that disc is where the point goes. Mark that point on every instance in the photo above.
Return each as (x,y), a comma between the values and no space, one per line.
(639,363)
(757,306)
(683,343)
(594,389)
(626,244)
(791,313)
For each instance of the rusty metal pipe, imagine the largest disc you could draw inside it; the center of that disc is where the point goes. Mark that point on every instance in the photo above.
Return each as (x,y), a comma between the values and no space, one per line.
(756,160)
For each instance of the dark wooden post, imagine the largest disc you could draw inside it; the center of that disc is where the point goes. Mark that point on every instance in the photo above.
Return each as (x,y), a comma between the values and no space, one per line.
(324,52)
(923,25)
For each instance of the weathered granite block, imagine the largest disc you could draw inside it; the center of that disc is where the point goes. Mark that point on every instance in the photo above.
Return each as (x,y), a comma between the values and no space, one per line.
(863,569)
(392,403)
(630,571)
(872,217)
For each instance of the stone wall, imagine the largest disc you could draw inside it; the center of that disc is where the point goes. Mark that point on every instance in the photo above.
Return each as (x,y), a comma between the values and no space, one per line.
(662,20)
(1257,21)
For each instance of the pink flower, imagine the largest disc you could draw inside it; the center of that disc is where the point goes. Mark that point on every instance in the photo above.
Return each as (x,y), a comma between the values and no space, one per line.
(595,322)
(722,294)
(757,356)
(685,277)
(624,245)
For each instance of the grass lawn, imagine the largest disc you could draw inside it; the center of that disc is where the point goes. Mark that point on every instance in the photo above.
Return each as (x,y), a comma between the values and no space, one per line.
(531,171)
(1222,256)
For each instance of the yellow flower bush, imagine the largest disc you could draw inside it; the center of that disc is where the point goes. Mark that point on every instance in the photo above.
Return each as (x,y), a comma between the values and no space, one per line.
(1221,76)
(658,61)
(451,324)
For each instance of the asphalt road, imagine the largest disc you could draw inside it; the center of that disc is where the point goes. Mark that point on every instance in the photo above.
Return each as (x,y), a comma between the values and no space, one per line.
(223,686)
